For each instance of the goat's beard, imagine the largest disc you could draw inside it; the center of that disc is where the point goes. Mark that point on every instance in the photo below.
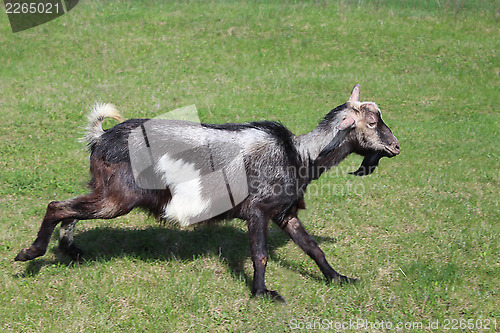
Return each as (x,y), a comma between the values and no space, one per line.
(370,162)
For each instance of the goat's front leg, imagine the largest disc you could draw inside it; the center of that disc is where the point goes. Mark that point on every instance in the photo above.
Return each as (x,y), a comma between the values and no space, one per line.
(294,228)
(257,229)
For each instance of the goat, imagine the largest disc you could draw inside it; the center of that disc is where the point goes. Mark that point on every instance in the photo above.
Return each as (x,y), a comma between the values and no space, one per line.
(264,173)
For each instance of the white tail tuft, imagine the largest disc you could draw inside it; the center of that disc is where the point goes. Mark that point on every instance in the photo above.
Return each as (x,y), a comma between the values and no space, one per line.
(100,112)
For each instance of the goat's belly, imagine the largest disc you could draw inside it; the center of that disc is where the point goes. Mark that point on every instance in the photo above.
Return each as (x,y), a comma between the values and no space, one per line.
(197,195)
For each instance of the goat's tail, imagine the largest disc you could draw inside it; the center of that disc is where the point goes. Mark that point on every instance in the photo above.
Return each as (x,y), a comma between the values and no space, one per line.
(96,117)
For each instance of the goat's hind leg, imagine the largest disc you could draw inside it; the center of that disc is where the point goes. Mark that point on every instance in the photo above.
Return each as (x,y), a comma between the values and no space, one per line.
(56,211)
(66,243)
(92,206)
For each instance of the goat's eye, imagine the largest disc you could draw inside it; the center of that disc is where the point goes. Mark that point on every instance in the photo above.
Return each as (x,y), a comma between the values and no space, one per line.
(372,125)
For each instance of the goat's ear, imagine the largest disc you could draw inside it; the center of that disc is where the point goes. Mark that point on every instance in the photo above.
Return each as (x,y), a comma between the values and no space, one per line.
(348,122)
(356,91)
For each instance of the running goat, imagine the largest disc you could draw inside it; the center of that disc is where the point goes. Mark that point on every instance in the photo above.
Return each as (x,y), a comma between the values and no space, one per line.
(190,172)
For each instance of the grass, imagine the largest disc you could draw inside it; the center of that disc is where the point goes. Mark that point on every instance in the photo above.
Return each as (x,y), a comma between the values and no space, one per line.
(421,233)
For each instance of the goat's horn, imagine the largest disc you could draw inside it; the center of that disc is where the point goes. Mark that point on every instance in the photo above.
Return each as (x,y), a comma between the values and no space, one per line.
(355,93)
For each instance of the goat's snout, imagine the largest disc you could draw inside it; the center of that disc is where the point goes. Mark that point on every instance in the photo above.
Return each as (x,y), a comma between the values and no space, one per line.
(394,148)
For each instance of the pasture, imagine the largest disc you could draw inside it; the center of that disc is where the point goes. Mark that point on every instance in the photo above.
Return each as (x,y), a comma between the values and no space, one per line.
(421,233)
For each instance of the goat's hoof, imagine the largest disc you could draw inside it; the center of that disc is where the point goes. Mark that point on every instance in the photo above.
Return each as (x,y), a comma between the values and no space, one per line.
(269,294)
(28,253)
(341,279)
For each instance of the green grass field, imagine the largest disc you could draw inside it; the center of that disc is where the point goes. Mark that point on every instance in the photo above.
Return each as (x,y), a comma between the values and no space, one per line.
(421,232)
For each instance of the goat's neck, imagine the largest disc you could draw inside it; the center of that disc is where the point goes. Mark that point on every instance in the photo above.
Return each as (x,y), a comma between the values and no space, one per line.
(322,151)
(312,144)
(335,156)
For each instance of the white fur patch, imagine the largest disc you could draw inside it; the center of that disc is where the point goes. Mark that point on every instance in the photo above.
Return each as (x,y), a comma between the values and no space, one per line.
(374,104)
(184,182)
(96,117)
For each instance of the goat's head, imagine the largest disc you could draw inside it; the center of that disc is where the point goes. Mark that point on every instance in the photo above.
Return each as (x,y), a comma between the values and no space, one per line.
(370,136)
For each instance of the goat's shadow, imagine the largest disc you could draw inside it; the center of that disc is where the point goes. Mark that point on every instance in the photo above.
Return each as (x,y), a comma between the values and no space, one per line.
(229,243)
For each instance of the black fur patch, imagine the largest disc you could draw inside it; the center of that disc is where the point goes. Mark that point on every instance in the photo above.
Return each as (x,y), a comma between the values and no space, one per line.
(330,116)
(112,146)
